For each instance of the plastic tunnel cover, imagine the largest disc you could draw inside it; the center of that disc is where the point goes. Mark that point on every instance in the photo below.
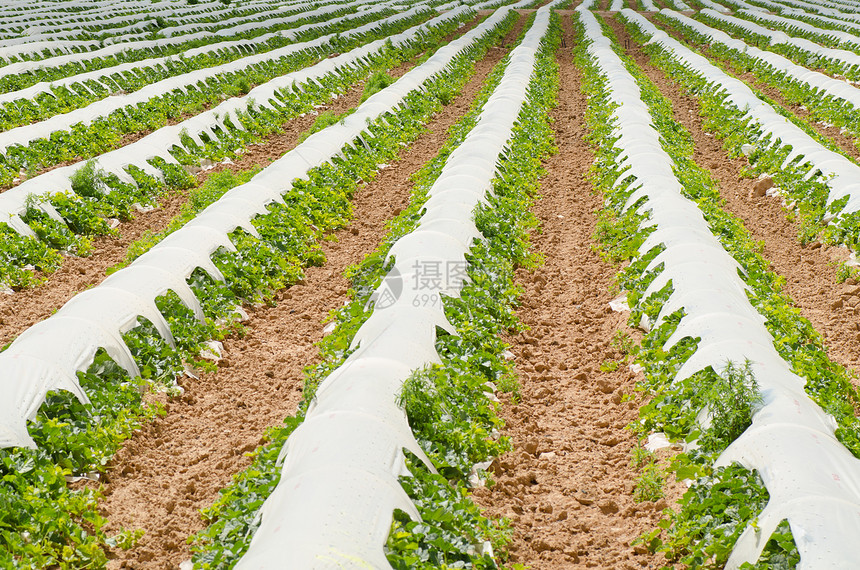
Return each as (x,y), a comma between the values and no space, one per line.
(791,443)
(339,515)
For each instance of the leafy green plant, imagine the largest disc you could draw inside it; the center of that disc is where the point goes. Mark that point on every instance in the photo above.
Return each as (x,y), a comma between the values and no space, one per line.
(323,120)
(733,399)
(376,83)
(649,484)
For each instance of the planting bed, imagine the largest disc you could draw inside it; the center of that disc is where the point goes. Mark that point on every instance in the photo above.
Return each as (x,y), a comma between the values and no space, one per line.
(429,284)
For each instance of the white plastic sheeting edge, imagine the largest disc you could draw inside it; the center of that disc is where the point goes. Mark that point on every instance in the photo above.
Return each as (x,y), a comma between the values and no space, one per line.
(135,28)
(813,480)
(258,20)
(840,174)
(48,355)
(823,19)
(158,144)
(824,84)
(51,20)
(339,484)
(714,6)
(55,47)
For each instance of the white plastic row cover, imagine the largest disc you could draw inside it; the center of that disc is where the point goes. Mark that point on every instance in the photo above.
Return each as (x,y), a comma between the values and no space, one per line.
(836,35)
(231,45)
(52,18)
(241,23)
(25,134)
(488,4)
(791,442)
(842,56)
(822,6)
(63,26)
(48,355)
(339,484)
(159,143)
(55,47)
(827,20)
(826,85)
(714,6)
(840,174)
(741,4)
(680,4)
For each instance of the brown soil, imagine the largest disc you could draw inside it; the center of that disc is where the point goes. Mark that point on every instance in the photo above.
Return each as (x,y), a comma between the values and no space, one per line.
(567,485)
(23,309)
(810,272)
(175,466)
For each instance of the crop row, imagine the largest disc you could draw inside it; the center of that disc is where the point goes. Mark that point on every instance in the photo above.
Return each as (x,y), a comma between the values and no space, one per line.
(100,125)
(108,61)
(33,54)
(340,454)
(339,486)
(720,354)
(58,31)
(46,99)
(101,16)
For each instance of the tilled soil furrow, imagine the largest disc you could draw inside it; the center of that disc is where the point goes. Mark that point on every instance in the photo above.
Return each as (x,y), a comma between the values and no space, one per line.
(567,485)
(25,308)
(809,271)
(175,466)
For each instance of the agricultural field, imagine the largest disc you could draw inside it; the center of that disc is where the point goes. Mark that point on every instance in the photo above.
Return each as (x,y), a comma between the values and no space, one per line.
(436,284)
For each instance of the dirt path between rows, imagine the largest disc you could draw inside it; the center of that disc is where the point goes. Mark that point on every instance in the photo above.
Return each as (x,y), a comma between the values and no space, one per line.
(810,272)
(175,466)
(567,485)
(23,309)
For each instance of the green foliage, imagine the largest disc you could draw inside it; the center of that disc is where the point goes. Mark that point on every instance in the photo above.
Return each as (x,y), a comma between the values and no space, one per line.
(714,511)
(649,484)
(323,120)
(733,399)
(103,196)
(448,407)
(45,523)
(376,83)
(199,198)
(452,532)
(88,181)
